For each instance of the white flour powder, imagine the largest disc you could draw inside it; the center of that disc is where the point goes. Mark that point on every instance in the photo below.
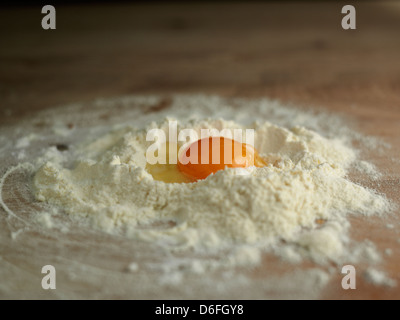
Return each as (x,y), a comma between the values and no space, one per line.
(296,206)
(210,239)
(379,278)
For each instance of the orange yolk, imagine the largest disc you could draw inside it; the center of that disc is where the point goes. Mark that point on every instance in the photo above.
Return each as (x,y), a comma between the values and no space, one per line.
(198,164)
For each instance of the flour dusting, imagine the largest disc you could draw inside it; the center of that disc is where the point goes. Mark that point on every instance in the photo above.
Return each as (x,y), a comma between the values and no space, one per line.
(379,278)
(296,207)
(305,182)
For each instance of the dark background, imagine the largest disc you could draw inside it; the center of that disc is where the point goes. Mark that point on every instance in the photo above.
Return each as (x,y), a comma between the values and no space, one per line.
(293,51)
(296,52)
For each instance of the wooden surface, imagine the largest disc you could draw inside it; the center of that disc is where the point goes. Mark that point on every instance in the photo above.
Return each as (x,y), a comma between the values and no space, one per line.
(296,52)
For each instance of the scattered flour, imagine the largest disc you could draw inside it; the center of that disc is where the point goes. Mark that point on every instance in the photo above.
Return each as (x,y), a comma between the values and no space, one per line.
(25,141)
(388,251)
(45,220)
(305,181)
(15,234)
(296,207)
(367,252)
(60,129)
(379,278)
(369,169)
(21,155)
(133,267)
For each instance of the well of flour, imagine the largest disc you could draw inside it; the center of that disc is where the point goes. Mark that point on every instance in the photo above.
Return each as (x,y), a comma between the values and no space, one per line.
(299,201)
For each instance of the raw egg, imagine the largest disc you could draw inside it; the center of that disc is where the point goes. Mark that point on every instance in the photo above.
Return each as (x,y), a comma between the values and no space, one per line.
(209,155)
(167,172)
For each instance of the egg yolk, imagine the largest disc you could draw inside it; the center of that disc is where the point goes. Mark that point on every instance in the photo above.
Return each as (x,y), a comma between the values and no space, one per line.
(167,172)
(217,154)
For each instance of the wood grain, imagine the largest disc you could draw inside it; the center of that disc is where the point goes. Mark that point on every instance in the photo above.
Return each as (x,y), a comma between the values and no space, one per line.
(295,52)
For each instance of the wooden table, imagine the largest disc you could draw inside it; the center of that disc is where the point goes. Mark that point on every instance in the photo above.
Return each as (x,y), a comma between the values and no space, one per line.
(296,52)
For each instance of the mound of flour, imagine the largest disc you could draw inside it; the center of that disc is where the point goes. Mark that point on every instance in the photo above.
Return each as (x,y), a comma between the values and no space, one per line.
(300,199)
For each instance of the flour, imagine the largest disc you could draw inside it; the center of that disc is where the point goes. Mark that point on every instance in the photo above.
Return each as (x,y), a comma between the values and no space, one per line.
(133,267)
(25,141)
(379,278)
(368,169)
(366,252)
(45,220)
(209,239)
(388,251)
(14,235)
(305,181)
